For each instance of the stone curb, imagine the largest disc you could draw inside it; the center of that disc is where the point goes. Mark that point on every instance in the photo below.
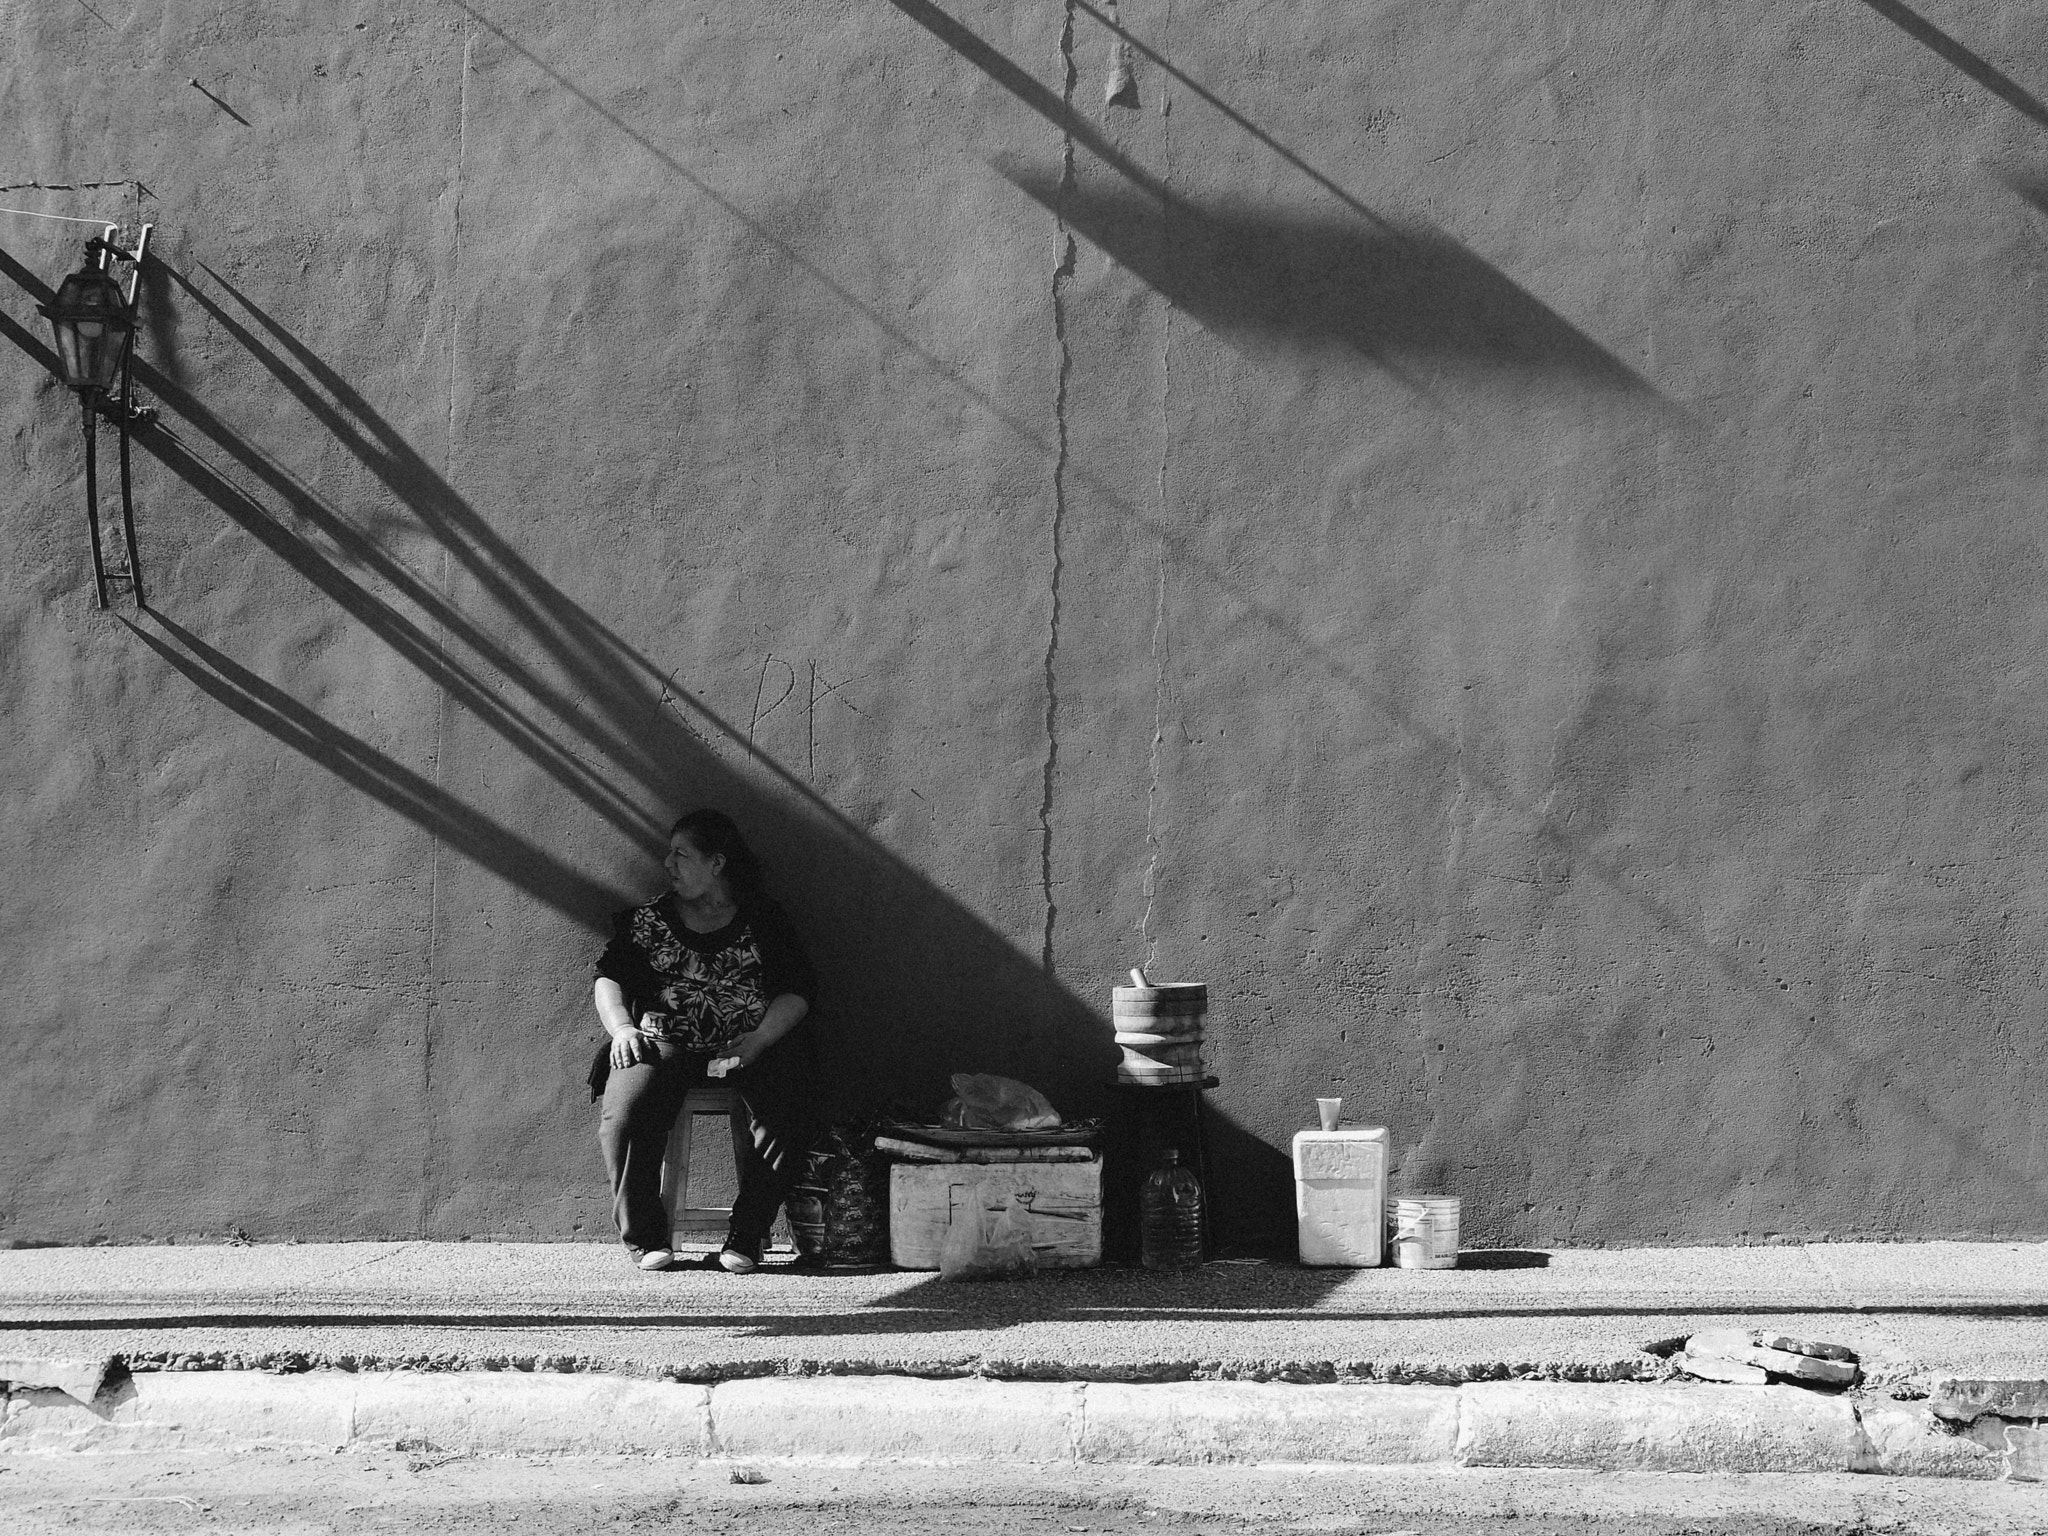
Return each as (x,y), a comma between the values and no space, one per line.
(894,1418)
(1723,1429)
(479,1413)
(1662,1429)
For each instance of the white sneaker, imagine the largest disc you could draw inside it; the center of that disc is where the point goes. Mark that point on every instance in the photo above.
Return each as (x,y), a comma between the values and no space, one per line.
(733,1262)
(656,1258)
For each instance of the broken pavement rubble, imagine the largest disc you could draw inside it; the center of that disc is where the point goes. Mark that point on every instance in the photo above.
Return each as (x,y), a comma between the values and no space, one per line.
(1963,1402)
(2010,1417)
(78,1378)
(1747,1357)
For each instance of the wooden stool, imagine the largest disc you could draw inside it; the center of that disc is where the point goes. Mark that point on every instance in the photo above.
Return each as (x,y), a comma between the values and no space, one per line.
(1154,1119)
(700,1172)
(699,1176)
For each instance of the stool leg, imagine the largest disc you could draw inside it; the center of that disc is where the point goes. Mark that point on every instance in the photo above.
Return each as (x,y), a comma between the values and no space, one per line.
(675,1168)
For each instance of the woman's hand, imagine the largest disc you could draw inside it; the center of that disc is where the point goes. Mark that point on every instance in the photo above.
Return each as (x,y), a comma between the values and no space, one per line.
(784,1013)
(737,1057)
(630,1047)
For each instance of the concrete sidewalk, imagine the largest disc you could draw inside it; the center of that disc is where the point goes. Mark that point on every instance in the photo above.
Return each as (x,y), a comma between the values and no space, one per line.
(1321,1353)
(1913,1311)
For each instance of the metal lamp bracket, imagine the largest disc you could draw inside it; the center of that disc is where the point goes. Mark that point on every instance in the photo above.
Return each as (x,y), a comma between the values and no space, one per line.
(126,414)
(110,249)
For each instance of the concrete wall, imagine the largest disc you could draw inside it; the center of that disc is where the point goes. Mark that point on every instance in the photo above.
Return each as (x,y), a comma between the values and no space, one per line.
(1504,537)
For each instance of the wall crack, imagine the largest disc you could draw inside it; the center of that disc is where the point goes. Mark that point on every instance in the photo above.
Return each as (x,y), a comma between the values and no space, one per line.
(1062,272)
(1160,645)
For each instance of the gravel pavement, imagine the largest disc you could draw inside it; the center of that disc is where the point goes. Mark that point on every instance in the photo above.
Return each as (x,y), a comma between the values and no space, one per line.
(1913,1311)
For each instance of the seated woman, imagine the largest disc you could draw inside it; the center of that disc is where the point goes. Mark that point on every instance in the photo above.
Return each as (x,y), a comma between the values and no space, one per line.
(710,974)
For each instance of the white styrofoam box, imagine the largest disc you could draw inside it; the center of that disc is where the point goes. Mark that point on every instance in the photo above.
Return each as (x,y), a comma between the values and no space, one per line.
(1340,1195)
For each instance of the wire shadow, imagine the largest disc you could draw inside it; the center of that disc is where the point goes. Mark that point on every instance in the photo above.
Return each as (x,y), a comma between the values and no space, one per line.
(360,552)
(1978,68)
(1266,278)
(410,639)
(623,691)
(1040,98)
(361,766)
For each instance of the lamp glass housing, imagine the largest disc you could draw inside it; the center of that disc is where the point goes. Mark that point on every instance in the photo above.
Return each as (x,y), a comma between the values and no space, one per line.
(92,325)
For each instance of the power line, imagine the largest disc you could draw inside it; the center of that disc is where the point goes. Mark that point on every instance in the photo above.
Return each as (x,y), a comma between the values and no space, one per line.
(30,213)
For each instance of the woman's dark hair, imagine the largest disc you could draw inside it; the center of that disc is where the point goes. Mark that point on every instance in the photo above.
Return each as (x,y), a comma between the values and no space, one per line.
(712,833)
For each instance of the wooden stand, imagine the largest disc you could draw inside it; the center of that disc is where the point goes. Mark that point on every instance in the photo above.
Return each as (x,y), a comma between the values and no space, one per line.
(1150,1121)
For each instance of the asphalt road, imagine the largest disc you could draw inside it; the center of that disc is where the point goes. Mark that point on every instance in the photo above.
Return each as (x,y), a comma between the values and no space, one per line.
(430,1495)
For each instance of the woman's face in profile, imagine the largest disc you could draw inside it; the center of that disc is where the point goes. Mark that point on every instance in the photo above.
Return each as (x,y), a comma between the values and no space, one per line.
(693,875)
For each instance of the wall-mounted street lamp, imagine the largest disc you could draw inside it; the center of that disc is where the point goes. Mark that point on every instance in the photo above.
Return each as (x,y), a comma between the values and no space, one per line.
(93,319)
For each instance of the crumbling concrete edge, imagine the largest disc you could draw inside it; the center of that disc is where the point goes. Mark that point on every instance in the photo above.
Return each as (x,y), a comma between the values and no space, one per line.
(82,1376)
(1348,1372)
(2007,1416)
(901,1419)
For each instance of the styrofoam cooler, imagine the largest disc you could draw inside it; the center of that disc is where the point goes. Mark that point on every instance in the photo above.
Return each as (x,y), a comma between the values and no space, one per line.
(1340,1195)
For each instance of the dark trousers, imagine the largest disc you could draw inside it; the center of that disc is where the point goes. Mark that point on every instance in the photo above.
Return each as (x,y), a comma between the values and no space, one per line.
(772,1130)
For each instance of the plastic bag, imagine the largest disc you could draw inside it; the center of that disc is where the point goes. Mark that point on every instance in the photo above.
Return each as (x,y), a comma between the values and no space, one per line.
(979,1247)
(990,1103)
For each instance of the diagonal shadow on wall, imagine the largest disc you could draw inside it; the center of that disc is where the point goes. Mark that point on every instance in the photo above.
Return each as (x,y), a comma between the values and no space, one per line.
(333,558)
(2028,184)
(514,859)
(918,985)
(1267,278)
(638,703)
(940,963)
(1219,260)
(906,950)
(1978,68)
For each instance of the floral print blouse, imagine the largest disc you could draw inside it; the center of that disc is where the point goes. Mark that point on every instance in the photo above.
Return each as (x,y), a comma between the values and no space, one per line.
(704,990)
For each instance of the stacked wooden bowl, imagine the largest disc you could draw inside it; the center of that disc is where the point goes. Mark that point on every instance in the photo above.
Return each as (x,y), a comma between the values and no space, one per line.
(1159,1027)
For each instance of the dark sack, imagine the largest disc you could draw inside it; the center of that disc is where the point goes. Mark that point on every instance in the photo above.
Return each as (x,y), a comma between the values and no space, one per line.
(851,1182)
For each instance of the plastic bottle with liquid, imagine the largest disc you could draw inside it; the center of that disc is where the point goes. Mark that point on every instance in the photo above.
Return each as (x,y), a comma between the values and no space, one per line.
(1170,1216)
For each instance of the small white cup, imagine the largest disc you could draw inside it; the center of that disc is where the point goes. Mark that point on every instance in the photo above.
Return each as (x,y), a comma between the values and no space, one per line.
(1327,1111)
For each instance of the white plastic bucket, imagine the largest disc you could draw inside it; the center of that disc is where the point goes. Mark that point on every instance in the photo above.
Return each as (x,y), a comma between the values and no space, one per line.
(1426,1232)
